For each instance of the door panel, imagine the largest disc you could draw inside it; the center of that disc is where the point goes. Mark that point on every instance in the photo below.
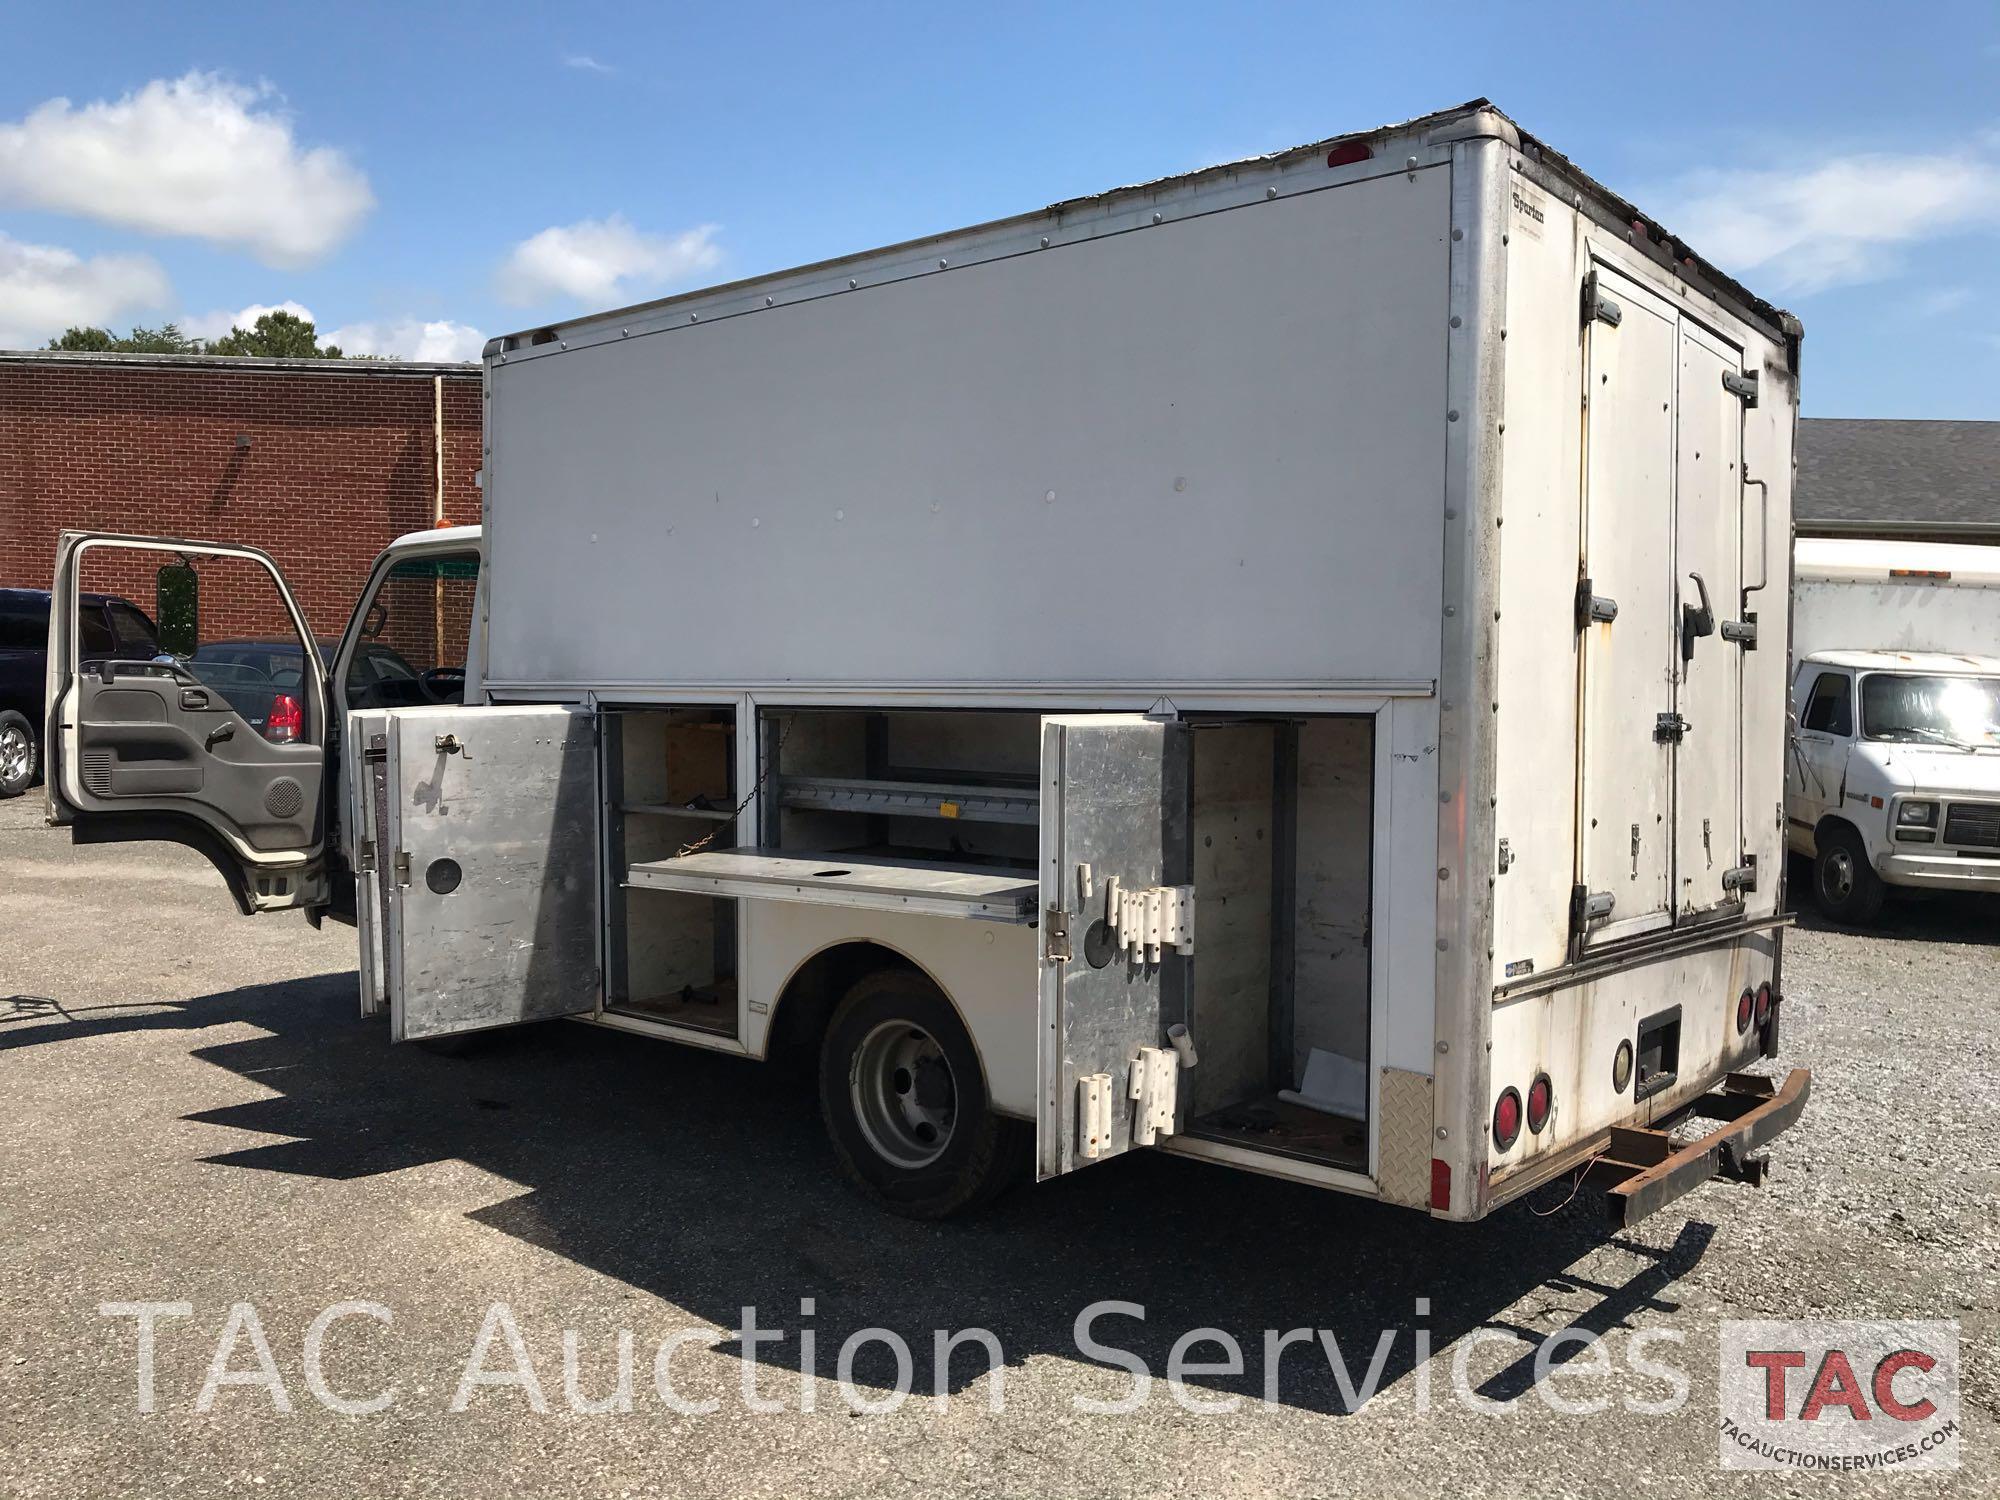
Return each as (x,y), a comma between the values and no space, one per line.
(1708,551)
(1625,835)
(491,834)
(1114,800)
(149,750)
(364,753)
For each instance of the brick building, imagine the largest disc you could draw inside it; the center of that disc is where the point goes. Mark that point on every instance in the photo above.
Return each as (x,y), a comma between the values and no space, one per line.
(318,462)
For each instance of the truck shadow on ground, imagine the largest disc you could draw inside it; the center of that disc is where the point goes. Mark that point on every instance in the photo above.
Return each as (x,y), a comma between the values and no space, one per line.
(693,1177)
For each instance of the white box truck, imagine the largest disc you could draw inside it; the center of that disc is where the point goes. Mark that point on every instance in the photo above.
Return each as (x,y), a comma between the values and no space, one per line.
(1894,772)
(1283,665)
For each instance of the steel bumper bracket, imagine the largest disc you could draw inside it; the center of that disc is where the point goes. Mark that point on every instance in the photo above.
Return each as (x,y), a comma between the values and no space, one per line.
(1652,1172)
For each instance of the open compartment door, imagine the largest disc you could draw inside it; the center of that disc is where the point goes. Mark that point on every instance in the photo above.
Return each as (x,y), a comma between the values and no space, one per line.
(488,821)
(1117,934)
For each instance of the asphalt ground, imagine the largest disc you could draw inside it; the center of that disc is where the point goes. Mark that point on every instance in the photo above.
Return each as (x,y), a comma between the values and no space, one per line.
(194,1113)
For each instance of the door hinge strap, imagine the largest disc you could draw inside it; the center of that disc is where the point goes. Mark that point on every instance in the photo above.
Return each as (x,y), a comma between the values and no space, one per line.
(1670,729)
(1587,906)
(401,866)
(1743,632)
(1743,386)
(1597,307)
(1055,935)
(1743,877)
(1593,608)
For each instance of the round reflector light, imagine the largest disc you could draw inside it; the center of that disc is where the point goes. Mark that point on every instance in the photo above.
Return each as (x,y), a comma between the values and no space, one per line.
(1541,1100)
(1745,1002)
(1507,1119)
(1763,1003)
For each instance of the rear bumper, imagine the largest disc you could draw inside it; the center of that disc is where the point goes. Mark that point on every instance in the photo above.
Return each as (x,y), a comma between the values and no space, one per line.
(1644,1170)
(1939,872)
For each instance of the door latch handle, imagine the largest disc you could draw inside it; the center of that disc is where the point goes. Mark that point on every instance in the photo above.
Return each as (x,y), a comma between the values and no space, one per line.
(1696,622)
(194,698)
(218,734)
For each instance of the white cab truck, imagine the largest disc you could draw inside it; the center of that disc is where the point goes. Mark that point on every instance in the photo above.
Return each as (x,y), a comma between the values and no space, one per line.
(1894,774)
(1282,665)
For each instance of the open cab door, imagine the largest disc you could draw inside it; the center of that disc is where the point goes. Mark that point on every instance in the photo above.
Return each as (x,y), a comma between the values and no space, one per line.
(1117,934)
(195,746)
(476,865)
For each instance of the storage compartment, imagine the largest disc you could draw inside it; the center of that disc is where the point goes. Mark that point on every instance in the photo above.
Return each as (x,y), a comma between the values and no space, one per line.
(955,787)
(1282,817)
(670,790)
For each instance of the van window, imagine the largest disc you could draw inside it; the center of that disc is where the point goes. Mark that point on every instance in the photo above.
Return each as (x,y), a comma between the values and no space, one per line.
(1830,710)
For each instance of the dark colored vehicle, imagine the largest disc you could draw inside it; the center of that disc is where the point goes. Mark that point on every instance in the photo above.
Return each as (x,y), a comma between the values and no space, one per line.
(260,679)
(109,629)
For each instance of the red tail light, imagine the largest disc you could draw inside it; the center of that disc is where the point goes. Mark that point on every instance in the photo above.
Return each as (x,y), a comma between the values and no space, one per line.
(1348,154)
(1507,1119)
(1541,1100)
(1763,1003)
(286,721)
(1745,1002)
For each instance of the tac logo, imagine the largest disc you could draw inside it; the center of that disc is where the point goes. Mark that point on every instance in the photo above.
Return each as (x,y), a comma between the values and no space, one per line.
(1839,1395)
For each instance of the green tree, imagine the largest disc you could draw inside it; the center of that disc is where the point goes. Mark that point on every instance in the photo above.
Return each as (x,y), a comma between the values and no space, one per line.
(166,339)
(276,335)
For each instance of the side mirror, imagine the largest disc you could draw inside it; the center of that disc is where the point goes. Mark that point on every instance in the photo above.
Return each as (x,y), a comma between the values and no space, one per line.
(177,607)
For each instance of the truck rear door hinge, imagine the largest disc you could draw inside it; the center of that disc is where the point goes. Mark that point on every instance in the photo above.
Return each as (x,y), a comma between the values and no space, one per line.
(1743,387)
(1743,632)
(1587,906)
(1670,729)
(1055,935)
(1593,608)
(401,866)
(1598,308)
(1743,878)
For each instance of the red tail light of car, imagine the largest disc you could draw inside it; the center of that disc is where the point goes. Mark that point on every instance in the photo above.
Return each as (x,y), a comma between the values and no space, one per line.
(286,722)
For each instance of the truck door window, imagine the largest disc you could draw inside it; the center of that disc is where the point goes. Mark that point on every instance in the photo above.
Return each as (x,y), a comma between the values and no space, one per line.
(93,633)
(134,631)
(414,633)
(1830,710)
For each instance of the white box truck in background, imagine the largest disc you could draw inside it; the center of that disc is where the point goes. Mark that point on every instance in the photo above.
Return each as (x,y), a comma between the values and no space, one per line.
(1894,773)
(1283,664)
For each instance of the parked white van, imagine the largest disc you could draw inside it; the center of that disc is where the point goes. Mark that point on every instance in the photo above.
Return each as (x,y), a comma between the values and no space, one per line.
(1894,773)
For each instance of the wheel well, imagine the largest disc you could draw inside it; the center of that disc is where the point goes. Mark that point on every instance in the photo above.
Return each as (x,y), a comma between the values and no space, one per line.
(806,1003)
(1832,822)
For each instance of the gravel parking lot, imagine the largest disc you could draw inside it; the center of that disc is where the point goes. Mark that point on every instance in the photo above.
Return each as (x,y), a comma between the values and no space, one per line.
(194,1113)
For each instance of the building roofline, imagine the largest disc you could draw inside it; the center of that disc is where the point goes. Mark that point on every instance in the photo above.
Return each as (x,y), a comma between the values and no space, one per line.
(390,369)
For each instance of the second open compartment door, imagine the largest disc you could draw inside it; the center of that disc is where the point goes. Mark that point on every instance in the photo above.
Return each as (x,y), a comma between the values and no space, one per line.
(1114,839)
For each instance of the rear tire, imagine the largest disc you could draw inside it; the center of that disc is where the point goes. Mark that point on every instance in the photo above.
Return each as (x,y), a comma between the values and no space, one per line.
(20,756)
(1845,886)
(905,1104)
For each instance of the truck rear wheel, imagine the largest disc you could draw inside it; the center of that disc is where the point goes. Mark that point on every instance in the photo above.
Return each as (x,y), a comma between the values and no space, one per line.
(1845,885)
(18,754)
(905,1104)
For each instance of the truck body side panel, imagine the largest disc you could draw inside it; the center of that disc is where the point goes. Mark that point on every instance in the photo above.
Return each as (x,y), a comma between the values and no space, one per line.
(1203,451)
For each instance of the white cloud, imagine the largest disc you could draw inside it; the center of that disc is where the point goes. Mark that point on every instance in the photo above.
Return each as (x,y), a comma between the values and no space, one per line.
(214,325)
(198,156)
(442,341)
(1939,301)
(45,289)
(603,261)
(1844,219)
(583,62)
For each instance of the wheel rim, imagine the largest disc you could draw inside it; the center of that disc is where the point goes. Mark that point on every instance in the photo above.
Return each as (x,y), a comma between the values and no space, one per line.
(904,1094)
(14,753)
(1837,877)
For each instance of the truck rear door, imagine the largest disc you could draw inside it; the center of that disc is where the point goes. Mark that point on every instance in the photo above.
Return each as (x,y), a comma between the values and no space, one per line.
(478,895)
(1114,810)
(1662,755)
(193,746)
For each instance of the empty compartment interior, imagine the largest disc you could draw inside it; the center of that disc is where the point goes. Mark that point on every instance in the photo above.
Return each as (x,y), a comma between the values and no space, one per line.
(1282,815)
(670,787)
(950,787)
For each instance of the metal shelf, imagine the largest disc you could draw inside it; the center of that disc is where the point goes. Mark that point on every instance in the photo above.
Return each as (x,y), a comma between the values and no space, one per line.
(911,799)
(920,886)
(669,810)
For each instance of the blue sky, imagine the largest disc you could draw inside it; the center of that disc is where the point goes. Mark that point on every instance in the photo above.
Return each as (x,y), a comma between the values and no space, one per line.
(419,176)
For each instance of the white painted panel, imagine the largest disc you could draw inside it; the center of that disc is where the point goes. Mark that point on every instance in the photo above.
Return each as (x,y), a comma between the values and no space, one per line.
(1210,451)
